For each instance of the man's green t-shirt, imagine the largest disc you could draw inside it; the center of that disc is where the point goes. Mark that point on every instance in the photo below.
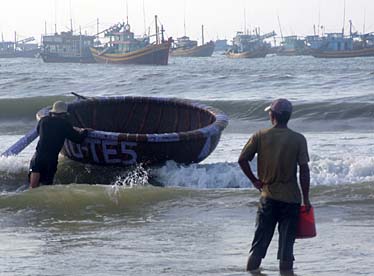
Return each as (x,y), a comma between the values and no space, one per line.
(279,150)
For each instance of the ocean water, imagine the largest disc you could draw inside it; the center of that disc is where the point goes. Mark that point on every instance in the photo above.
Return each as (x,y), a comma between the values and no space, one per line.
(202,220)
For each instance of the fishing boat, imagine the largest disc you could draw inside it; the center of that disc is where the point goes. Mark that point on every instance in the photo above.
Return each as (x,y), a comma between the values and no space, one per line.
(250,46)
(221,45)
(336,45)
(130,130)
(184,47)
(67,47)
(125,48)
(292,46)
(19,48)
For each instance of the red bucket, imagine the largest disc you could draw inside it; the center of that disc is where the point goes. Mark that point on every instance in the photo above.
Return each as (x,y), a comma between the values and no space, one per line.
(307,227)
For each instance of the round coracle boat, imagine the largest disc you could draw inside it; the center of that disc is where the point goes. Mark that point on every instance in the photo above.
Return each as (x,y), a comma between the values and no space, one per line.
(130,130)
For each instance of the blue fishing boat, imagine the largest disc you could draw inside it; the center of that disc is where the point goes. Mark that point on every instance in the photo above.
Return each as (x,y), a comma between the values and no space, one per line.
(250,45)
(292,46)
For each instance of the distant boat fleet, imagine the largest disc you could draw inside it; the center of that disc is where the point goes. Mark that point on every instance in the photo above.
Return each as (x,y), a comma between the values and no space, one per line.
(123,47)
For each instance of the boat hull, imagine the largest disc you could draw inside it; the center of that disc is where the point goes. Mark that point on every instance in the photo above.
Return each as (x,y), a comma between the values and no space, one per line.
(131,130)
(152,55)
(205,50)
(21,54)
(368,52)
(249,54)
(55,58)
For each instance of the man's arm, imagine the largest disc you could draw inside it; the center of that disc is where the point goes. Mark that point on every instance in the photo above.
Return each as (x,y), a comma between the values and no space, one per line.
(305,184)
(246,168)
(248,153)
(76,135)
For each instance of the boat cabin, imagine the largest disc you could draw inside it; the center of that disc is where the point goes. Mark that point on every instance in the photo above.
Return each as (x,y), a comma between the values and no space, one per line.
(124,41)
(7,47)
(184,42)
(293,42)
(245,42)
(67,44)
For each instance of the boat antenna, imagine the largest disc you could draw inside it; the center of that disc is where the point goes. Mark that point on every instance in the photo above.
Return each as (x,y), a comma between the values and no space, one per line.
(71,17)
(55,16)
(45,27)
(202,35)
(127,12)
(245,21)
(319,17)
(184,23)
(97,26)
(156,26)
(280,27)
(145,23)
(343,18)
(364,27)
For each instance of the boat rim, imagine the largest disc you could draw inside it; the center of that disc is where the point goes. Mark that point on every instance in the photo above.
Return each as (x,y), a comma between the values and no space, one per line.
(219,124)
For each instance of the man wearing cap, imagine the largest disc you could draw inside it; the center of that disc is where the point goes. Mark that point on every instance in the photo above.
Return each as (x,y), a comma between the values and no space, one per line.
(52,130)
(279,152)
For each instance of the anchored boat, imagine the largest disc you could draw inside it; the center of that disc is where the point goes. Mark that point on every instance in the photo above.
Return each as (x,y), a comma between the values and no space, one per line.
(184,47)
(124,48)
(250,45)
(336,45)
(67,47)
(130,130)
(18,48)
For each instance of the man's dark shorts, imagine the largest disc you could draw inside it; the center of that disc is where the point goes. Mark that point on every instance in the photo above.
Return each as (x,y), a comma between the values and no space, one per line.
(46,168)
(270,212)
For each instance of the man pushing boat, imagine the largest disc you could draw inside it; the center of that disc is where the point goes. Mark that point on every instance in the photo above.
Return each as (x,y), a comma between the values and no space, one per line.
(52,130)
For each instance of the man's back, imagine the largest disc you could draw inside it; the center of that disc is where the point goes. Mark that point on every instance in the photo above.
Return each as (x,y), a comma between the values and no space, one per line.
(279,151)
(53,131)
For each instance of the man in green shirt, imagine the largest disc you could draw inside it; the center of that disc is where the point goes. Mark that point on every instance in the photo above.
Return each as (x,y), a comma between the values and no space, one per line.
(279,152)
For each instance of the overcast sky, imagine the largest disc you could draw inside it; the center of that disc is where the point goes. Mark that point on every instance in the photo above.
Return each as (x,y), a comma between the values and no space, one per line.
(222,18)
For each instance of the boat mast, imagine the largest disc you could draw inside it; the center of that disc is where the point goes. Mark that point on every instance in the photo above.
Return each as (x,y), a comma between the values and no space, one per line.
(145,23)
(71,18)
(45,28)
(15,41)
(280,27)
(364,27)
(245,22)
(343,18)
(127,12)
(80,41)
(202,35)
(156,27)
(184,23)
(319,17)
(97,26)
(55,16)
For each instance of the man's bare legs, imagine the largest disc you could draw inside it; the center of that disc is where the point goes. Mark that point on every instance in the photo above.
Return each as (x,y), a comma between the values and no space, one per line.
(34,180)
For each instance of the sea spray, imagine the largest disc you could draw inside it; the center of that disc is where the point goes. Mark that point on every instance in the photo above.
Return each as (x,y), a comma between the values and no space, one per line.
(133,178)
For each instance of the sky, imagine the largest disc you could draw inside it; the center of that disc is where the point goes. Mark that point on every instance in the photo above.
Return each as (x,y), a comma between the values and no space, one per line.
(221,18)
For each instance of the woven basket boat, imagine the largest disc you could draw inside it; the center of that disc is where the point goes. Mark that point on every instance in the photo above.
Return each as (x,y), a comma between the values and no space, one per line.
(130,130)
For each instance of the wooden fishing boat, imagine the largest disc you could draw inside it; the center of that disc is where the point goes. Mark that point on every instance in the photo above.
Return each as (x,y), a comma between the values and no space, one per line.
(130,130)
(249,46)
(336,45)
(205,50)
(67,48)
(19,48)
(124,48)
(258,53)
(364,52)
(292,46)
(156,54)
(184,47)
